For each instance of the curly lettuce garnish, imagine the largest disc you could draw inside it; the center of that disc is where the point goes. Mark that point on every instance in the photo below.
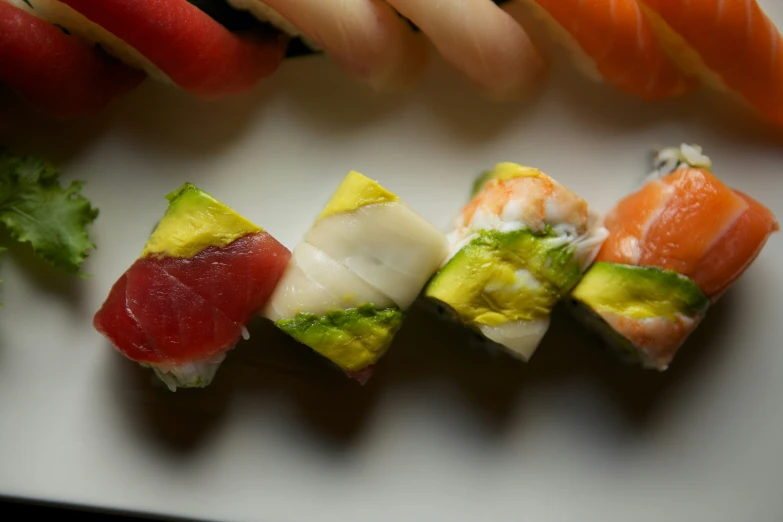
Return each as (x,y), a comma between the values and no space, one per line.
(36,209)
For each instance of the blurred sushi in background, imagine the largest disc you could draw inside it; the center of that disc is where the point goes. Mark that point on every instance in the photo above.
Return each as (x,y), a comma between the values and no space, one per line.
(373,43)
(358,269)
(173,41)
(203,274)
(728,44)
(674,247)
(612,40)
(56,72)
(517,248)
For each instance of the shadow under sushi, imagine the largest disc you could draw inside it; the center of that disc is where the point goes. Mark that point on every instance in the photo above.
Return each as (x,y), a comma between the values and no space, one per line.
(642,395)
(492,383)
(323,95)
(180,421)
(26,131)
(329,404)
(334,409)
(332,406)
(164,117)
(54,281)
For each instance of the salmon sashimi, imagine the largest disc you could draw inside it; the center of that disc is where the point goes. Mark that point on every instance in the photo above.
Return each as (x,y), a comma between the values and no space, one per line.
(204,272)
(674,247)
(730,256)
(173,41)
(729,43)
(613,40)
(691,223)
(60,75)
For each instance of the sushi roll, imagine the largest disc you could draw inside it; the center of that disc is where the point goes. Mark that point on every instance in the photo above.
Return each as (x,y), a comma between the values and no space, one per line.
(674,247)
(172,40)
(204,272)
(370,40)
(517,248)
(357,270)
(731,45)
(57,73)
(612,40)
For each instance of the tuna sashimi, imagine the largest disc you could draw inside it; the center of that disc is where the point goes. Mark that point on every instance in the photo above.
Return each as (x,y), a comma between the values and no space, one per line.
(175,310)
(204,273)
(60,75)
(173,40)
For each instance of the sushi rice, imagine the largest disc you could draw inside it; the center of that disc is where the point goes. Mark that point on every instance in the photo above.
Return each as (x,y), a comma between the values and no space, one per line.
(195,374)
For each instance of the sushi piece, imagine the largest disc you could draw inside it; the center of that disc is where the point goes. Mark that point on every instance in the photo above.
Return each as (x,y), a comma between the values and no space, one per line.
(483,42)
(518,247)
(356,272)
(674,247)
(367,38)
(731,44)
(204,272)
(172,40)
(612,40)
(372,42)
(58,74)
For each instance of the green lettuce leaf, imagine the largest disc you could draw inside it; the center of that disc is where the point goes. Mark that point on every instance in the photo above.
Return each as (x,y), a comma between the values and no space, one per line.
(35,209)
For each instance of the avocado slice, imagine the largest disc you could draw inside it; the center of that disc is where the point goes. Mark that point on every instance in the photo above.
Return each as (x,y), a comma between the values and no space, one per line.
(640,292)
(644,313)
(504,172)
(353,339)
(506,276)
(354,192)
(194,221)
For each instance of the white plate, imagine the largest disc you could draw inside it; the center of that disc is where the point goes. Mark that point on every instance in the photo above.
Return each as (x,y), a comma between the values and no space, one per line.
(443,431)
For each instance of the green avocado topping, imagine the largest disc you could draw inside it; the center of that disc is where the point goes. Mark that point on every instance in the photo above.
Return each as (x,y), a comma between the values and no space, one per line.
(506,276)
(352,339)
(640,292)
(194,220)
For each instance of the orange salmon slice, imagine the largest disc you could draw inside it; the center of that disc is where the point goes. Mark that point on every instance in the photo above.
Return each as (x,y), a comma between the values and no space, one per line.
(689,222)
(698,215)
(619,39)
(728,258)
(734,39)
(629,221)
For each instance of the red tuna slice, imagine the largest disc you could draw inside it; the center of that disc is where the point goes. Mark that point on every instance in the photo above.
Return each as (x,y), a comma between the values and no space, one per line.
(190,48)
(178,326)
(237,279)
(59,74)
(174,311)
(115,321)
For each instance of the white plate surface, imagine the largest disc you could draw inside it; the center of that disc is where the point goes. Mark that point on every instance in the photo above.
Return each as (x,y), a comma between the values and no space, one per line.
(443,431)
